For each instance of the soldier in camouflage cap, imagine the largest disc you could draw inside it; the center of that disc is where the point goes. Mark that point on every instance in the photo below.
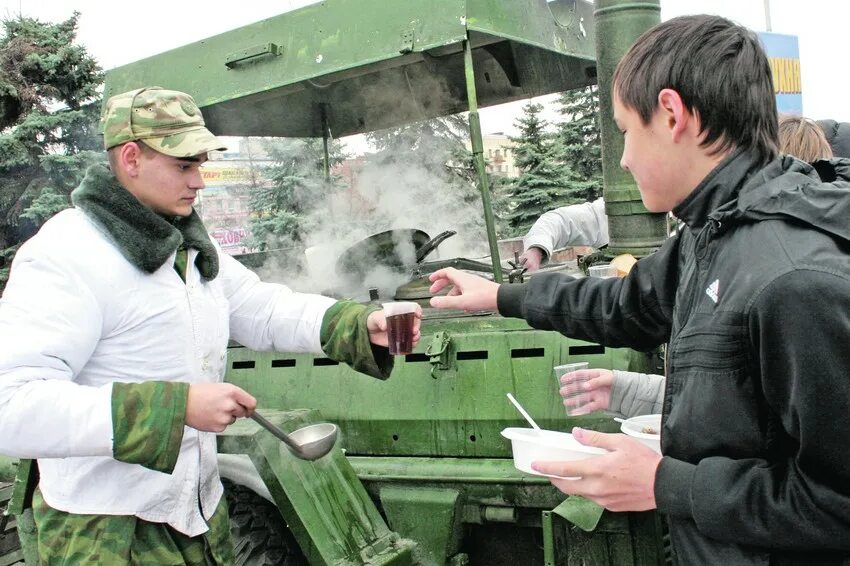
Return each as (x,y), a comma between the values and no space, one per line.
(168,121)
(115,324)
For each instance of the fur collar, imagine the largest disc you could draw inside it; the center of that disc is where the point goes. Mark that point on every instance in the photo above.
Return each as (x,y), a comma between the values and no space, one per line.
(145,238)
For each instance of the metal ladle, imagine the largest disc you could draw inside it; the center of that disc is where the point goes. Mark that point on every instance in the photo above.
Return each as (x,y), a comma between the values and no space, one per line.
(307,443)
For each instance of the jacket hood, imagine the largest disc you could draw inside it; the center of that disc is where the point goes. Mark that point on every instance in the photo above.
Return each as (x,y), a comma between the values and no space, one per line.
(814,194)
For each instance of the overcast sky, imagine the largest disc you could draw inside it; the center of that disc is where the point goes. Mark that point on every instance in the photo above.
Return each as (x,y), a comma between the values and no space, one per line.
(136,30)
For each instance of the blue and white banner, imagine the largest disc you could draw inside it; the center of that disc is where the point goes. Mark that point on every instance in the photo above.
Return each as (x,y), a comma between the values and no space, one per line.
(784,55)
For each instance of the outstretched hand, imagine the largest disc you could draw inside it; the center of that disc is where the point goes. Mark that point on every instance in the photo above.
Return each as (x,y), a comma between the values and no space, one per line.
(376,325)
(469,292)
(621,480)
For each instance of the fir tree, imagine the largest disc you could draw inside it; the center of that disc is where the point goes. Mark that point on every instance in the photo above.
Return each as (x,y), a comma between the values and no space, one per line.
(579,144)
(292,187)
(544,182)
(43,153)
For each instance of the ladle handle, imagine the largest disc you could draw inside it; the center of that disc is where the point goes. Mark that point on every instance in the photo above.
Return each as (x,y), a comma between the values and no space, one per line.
(263,422)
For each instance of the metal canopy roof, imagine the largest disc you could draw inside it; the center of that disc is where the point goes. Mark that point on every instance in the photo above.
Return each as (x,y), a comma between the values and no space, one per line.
(373,64)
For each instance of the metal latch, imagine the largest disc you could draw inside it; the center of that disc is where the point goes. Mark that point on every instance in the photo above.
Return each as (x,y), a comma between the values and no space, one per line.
(407,38)
(438,352)
(251,53)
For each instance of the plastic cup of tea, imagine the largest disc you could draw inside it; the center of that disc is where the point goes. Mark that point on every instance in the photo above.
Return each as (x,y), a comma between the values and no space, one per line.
(603,271)
(575,397)
(401,317)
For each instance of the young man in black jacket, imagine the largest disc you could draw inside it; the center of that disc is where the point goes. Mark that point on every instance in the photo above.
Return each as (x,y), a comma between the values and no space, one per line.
(752,295)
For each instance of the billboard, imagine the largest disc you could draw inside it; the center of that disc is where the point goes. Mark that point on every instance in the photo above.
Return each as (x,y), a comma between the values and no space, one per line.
(783,53)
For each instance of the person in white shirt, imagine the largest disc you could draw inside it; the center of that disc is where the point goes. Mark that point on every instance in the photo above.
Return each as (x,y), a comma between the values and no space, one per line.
(115,324)
(584,224)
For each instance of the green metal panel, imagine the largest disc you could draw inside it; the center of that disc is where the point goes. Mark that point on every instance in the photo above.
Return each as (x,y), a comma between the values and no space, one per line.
(439,536)
(324,504)
(460,413)
(373,64)
(8,466)
(559,26)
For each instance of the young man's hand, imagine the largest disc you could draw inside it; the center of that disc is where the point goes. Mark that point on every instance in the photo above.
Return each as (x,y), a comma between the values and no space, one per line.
(594,383)
(376,324)
(622,480)
(469,292)
(533,258)
(211,407)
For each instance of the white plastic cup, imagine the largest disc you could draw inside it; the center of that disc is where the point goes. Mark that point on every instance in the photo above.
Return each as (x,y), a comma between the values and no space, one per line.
(401,318)
(602,270)
(578,397)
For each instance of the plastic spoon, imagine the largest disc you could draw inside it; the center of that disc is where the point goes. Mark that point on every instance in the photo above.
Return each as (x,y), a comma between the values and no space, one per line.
(522,412)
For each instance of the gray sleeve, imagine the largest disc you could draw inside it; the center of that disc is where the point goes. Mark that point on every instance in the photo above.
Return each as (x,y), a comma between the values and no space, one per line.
(575,225)
(634,394)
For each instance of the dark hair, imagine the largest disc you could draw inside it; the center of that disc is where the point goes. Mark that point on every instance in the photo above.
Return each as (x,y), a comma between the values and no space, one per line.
(718,68)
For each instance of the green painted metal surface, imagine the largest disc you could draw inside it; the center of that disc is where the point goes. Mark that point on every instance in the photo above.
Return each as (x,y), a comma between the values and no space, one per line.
(374,64)
(478,159)
(438,536)
(324,504)
(632,228)
(8,466)
(458,413)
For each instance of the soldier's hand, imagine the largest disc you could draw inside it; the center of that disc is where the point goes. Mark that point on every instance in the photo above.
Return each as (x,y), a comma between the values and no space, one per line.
(376,324)
(533,258)
(469,292)
(211,407)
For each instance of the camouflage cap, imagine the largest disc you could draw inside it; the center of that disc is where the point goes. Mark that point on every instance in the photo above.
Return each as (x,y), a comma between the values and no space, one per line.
(168,121)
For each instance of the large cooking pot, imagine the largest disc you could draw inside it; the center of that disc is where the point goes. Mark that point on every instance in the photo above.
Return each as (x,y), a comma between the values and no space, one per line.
(398,250)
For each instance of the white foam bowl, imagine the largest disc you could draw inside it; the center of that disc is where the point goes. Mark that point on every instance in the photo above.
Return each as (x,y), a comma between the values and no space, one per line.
(635,426)
(530,445)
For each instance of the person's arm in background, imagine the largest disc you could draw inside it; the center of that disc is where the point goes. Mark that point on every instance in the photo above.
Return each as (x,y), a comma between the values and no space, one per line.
(584,224)
(626,393)
(634,393)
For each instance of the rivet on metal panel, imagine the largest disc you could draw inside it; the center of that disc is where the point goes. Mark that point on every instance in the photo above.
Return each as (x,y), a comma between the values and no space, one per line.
(438,352)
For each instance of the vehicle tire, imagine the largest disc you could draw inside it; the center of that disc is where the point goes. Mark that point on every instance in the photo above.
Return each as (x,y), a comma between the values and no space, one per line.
(260,535)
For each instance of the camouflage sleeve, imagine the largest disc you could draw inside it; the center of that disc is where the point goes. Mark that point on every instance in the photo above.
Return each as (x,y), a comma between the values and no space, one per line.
(147,423)
(345,339)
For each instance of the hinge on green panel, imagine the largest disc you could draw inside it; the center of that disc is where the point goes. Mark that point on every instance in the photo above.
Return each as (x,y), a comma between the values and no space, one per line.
(438,352)
(251,54)
(406,45)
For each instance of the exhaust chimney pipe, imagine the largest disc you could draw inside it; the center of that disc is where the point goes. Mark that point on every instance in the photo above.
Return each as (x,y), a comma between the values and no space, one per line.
(632,228)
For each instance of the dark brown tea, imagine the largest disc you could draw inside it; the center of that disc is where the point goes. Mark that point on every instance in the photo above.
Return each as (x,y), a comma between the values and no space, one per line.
(400,333)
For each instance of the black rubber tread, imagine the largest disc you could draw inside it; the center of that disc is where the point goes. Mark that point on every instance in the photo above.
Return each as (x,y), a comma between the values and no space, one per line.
(260,536)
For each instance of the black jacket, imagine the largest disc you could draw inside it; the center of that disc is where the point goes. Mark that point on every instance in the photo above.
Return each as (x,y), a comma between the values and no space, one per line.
(753,296)
(838,136)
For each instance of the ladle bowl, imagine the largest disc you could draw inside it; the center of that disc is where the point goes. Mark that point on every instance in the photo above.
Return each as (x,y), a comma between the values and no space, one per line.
(307,443)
